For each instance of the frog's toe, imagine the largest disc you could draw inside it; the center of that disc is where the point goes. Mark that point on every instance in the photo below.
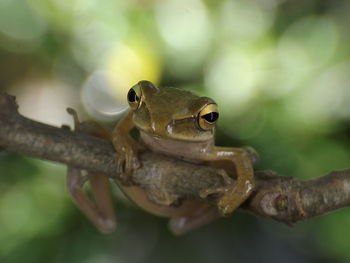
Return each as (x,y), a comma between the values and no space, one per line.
(131,161)
(228,203)
(123,175)
(129,165)
(211,191)
(120,165)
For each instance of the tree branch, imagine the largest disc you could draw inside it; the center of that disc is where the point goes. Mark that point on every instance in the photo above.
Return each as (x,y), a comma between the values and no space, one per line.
(166,179)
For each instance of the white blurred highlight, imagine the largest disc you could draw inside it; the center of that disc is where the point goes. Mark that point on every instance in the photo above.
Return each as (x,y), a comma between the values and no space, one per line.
(99,97)
(186,30)
(182,23)
(94,41)
(300,53)
(46,100)
(324,100)
(245,19)
(233,76)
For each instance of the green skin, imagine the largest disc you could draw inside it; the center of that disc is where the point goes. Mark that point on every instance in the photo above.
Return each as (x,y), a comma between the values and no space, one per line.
(171,122)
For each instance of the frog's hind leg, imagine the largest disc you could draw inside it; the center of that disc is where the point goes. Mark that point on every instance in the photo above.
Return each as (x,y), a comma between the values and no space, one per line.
(100,212)
(200,216)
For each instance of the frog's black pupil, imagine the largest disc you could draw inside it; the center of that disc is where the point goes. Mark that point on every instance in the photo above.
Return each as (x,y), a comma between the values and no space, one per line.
(132,97)
(211,117)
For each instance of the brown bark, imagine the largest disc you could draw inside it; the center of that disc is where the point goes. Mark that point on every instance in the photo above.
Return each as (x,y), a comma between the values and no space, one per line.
(166,179)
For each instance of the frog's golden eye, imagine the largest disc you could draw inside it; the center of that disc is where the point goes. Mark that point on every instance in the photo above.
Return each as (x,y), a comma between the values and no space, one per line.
(208,116)
(134,97)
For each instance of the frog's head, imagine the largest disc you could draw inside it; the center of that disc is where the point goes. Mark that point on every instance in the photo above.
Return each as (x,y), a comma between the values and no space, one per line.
(172,113)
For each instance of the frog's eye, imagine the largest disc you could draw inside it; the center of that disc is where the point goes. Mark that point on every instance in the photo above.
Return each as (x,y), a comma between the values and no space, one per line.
(208,116)
(134,97)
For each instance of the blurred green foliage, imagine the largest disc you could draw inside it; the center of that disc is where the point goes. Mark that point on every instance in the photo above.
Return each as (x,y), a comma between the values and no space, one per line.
(279,71)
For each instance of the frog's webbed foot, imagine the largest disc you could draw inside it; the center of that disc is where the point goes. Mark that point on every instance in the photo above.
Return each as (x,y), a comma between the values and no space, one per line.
(127,149)
(230,197)
(127,160)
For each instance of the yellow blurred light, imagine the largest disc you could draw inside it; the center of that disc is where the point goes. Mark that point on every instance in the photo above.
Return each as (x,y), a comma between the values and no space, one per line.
(104,92)
(95,40)
(130,63)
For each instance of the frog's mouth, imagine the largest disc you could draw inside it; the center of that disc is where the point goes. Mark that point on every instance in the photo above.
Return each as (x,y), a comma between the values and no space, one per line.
(148,131)
(189,150)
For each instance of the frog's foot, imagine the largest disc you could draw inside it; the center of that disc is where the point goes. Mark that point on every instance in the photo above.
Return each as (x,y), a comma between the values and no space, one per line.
(127,161)
(231,197)
(211,191)
(230,200)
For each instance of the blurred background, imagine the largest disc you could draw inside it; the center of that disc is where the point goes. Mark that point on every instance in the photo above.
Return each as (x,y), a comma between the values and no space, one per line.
(278,69)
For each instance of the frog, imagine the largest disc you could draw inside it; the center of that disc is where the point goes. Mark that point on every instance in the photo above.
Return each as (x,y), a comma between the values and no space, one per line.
(179,124)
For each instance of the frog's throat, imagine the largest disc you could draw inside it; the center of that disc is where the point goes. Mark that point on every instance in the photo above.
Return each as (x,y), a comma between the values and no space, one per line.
(189,150)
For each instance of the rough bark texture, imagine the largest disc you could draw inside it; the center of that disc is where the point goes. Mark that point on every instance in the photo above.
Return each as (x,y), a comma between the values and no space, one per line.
(283,199)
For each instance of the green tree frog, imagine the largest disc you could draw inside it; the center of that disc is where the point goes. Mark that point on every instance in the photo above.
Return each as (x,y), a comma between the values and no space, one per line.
(176,123)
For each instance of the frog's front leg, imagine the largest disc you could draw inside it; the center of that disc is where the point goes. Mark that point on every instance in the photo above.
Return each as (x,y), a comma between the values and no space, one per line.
(126,147)
(233,195)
